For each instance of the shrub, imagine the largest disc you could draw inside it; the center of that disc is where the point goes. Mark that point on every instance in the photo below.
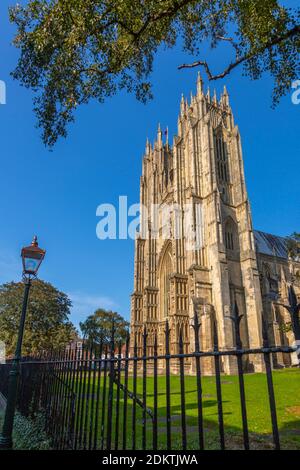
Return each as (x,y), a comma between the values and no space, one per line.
(29,434)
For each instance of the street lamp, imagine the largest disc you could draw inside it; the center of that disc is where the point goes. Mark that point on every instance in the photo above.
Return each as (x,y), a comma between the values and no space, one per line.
(32,257)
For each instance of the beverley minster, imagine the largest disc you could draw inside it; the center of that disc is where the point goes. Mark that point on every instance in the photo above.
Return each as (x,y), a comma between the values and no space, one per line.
(228,263)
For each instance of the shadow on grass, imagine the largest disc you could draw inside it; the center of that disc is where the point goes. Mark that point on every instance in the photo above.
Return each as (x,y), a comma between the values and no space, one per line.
(289,433)
(260,430)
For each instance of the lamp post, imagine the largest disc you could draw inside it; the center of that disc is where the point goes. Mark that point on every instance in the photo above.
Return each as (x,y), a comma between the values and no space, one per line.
(32,257)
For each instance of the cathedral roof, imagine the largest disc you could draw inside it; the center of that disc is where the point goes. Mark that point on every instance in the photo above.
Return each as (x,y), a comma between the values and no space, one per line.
(272,245)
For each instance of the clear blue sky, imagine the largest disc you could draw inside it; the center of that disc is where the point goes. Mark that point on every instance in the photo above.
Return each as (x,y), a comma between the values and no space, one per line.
(55,194)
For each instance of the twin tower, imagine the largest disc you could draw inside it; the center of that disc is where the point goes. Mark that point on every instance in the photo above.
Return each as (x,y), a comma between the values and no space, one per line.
(202,171)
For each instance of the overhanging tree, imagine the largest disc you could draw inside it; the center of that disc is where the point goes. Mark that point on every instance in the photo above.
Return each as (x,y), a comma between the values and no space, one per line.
(47,324)
(76,50)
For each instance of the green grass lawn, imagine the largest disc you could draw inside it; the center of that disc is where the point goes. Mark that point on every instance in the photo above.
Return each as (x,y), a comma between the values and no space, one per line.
(286,385)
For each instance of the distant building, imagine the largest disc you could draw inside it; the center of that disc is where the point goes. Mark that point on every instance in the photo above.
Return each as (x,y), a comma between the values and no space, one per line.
(76,345)
(203,169)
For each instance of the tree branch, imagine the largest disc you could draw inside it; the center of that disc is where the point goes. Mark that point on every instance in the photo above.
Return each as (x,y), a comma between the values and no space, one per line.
(163,14)
(137,34)
(272,43)
(232,42)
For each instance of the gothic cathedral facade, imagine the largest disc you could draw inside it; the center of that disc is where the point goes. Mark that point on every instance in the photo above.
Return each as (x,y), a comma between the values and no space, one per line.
(229,263)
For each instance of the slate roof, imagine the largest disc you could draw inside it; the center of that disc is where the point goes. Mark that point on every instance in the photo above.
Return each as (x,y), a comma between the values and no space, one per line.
(272,245)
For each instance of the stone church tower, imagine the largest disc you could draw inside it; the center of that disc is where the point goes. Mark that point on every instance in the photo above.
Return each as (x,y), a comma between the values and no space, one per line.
(201,176)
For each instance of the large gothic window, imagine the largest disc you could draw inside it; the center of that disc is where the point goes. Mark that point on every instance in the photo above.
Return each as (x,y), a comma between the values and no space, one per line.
(222,165)
(222,159)
(166,270)
(231,235)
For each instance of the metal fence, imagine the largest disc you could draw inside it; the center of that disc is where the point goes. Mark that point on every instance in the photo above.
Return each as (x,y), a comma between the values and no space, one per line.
(99,398)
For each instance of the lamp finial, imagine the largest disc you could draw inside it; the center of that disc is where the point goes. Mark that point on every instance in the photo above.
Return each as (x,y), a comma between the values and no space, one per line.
(34,241)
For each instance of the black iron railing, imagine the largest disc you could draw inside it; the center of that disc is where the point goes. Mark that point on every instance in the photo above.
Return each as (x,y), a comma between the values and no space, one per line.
(104,398)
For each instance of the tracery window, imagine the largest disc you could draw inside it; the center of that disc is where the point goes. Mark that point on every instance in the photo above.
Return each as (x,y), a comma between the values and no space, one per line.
(165,282)
(222,159)
(231,241)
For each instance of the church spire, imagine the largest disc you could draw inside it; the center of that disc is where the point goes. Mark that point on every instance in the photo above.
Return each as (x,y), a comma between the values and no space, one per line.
(159,135)
(192,98)
(225,96)
(182,104)
(199,85)
(208,94)
(215,101)
(148,147)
